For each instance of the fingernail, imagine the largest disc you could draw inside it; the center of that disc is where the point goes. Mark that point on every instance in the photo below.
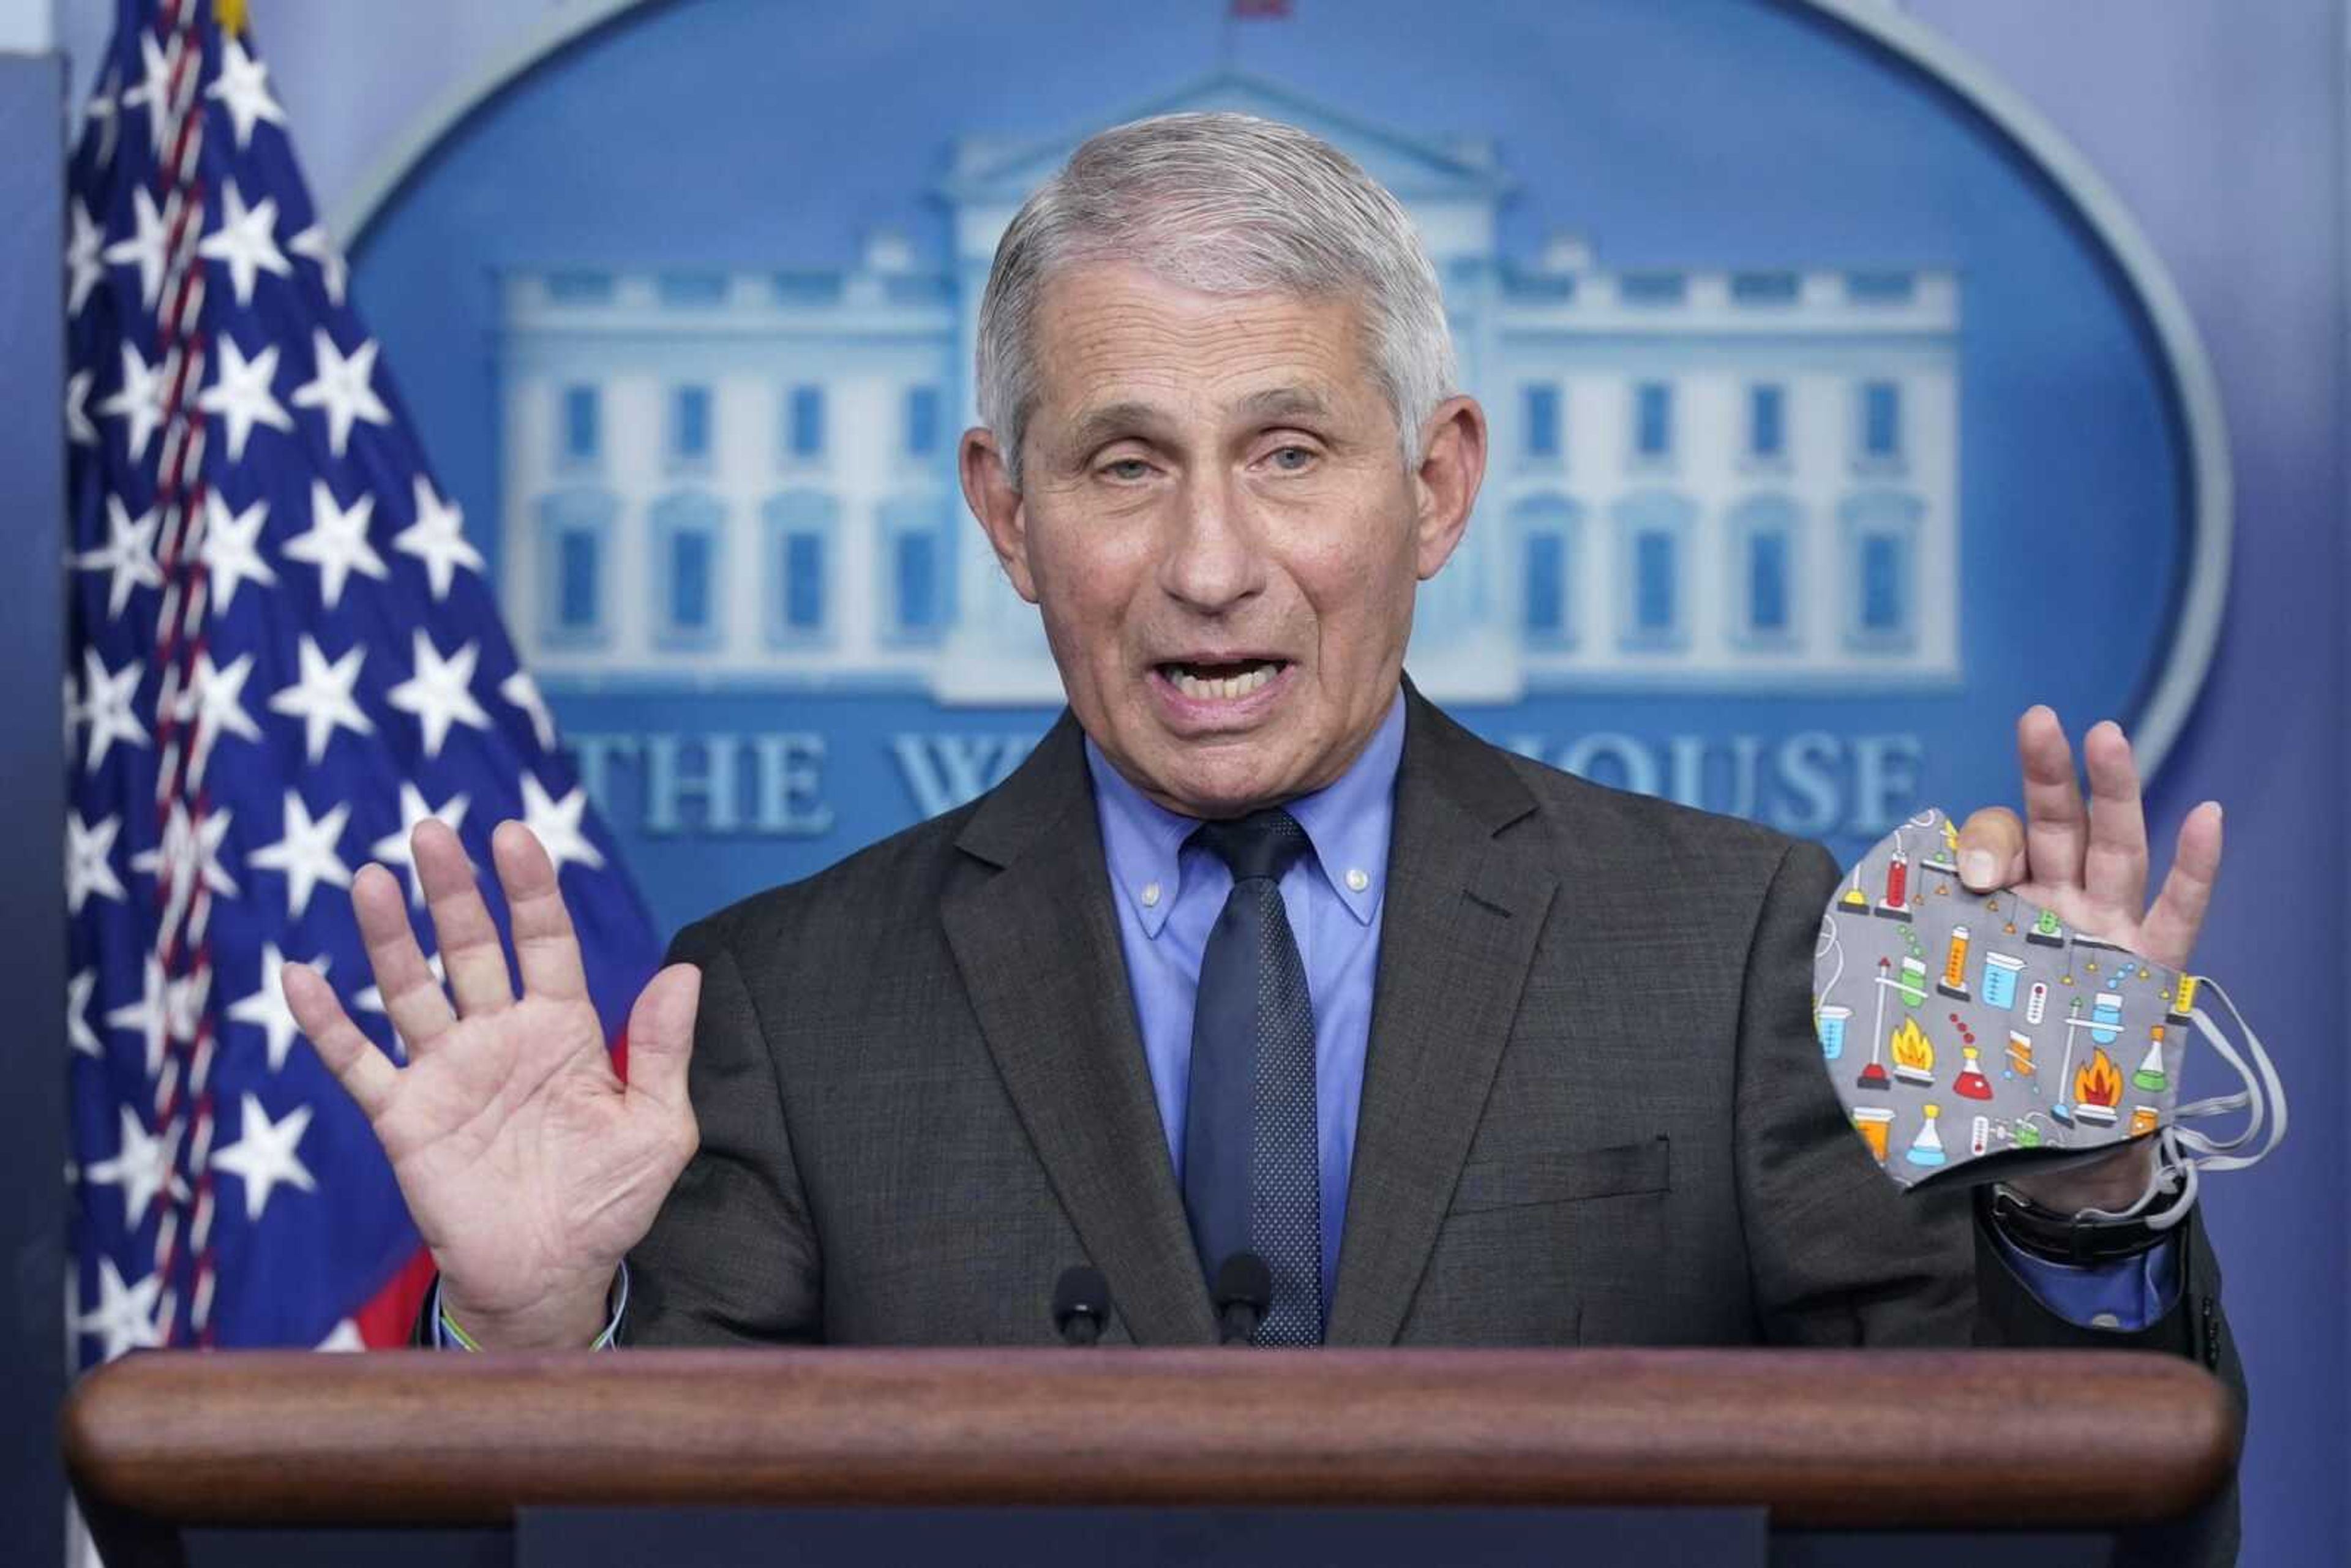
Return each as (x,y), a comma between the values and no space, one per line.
(1977,870)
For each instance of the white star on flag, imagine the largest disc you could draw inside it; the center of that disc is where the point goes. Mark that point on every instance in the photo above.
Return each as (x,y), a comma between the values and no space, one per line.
(141,1166)
(79,1034)
(240,394)
(316,245)
(439,694)
(438,539)
(153,90)
(144,247)
(305,853)
(125,1315)
(393,849)
(337,543)
(146,1017)
(139,399)
(523,692)
(79,429)
(243,89)
(129,553)
(264,1157)
(84,260)
(101,113)
(216,699)
(88,866)
(109,706)
(341,387)
(344,1335)
(245,242)
(267,1009)
(189,853)
(556,825)
(232,548)
(322,698)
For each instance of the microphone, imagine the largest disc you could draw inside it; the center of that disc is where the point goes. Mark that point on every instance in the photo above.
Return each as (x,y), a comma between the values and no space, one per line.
(1082,1304)
(1244,1290)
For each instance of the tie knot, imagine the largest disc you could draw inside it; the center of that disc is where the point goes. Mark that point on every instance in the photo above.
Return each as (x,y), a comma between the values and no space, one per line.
(1261,844)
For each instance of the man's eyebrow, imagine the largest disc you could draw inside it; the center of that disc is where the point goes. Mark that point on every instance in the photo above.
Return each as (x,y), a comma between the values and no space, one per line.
(1282,402)
(1094,426)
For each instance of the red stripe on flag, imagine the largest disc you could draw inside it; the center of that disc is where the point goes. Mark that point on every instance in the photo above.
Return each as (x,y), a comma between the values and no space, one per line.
(388,1315)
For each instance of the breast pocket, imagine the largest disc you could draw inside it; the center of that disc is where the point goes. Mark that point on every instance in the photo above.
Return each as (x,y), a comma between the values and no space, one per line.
(1565,1176)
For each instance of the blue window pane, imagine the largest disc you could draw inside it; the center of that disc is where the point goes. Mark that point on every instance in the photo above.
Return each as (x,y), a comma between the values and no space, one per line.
(1764,288)
(1653,434)
(918,580)
(1546,579)
(689,579)
(1651,287)
(1882,609)
(1881,419)
(1880,288)
(807,435)
(922,421)
(1653,565)
(804,581)
(690,423)
(1542,421)
(1767,581)
(581,425)
(579,288)
(1767,434)
(576,579)
(692,288)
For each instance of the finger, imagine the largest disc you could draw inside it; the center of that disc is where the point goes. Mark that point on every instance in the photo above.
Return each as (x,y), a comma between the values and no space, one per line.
(546,948)
(349,1054)
(2056,829)
(471,952)
(1991,850)
(2168,933)
(414,1000)
(2115,870)
(661,1034)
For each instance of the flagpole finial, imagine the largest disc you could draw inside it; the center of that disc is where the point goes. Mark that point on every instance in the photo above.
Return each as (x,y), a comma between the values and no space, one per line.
(230,15)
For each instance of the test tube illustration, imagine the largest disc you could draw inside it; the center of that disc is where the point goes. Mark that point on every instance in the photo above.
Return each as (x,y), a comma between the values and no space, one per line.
(2020,1057)
(2036,1001)
(2183,997)
(1893,902)
(2000,976)
(1979,1136)
(1954,982)
(2106,1017)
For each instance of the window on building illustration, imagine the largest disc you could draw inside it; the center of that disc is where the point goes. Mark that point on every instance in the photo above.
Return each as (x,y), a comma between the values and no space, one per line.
(1881,528)
(574,539)
(689,424)
(1766,583)
(689,581)
(1653,530)
(1764,288)
(1881,419)
(918,564)
(579,288)
(692,289)
(688,532)
(914,604)
(1542,407)
(1546,586)
(1880,288)
(1652,420)
(1653,593)
(800,528)
(582,424)
(1762,536)
(1882,610)
(804,423)
(1767,415)
(922,421)
(576,591)
(1652,287)
(1547,527)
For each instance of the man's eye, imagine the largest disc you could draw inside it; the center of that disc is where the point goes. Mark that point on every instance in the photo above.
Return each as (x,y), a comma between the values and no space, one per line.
(1292,459)
(1126,468)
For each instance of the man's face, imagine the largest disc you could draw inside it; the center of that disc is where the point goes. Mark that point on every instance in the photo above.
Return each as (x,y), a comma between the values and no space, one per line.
(1217,524)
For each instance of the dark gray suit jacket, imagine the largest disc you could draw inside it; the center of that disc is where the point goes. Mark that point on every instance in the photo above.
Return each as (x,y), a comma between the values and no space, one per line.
(1593,1110)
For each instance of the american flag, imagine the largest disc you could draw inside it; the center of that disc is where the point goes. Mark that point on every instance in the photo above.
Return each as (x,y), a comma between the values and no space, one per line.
(283,655)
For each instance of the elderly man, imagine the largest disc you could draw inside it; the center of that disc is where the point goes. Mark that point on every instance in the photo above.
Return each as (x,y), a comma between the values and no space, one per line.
(1259,951)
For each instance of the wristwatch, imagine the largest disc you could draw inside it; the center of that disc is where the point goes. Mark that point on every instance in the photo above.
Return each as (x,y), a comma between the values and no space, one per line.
(2072,1238)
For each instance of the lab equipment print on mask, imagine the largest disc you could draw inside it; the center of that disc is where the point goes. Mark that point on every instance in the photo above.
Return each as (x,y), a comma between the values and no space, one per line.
(1972,1036)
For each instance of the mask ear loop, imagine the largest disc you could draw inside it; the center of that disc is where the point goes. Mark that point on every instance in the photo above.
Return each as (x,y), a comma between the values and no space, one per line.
(2185,1153)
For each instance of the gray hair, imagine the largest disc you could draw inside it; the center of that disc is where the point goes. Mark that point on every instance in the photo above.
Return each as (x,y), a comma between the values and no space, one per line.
(1226,204)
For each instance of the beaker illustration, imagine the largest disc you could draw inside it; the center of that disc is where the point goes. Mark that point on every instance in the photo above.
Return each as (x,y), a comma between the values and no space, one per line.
(1954,982)
(2183,997)
(2027,1134)
(2036,1001)
(2106,1017)
(1891,904)
(2020,1057)
(1876,1125)
(2001,970)
(1832,1021)
(2145,1119)
(1913,987)
(2046,930)
(2150,1075)
(1970,1084)
(1927,1148)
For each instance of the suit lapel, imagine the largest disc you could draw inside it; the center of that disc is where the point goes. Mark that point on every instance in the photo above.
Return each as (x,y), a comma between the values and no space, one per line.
(1457,933)
(1037,944)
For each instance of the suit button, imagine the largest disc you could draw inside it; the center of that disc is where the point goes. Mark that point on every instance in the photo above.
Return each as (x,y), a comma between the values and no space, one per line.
(2106,1320)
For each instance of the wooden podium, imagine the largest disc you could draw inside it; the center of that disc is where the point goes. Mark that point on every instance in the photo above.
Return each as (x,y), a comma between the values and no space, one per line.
(1801,1445)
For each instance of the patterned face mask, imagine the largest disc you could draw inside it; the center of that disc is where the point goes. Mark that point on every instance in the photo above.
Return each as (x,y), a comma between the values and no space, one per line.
(1974,1036)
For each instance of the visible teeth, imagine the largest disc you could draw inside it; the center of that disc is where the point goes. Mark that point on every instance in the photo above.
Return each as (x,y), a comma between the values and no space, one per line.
(1223,688)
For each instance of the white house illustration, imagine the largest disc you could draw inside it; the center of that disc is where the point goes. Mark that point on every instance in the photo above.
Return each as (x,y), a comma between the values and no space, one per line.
(1701,478)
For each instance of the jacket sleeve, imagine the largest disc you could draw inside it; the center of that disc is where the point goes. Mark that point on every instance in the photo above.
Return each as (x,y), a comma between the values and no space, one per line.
(732,1258)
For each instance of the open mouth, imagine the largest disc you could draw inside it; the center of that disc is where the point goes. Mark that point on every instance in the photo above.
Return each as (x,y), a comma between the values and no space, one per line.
(1207,683)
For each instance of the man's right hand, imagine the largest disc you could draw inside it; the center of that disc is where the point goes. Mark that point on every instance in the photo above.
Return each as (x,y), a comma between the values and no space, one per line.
(529,1168)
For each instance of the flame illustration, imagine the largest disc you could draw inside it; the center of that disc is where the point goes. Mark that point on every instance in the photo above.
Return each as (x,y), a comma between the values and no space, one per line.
(1911,1049)
(2098,1082)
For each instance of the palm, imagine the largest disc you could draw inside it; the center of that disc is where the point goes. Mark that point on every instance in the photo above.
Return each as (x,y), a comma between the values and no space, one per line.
(527,1166)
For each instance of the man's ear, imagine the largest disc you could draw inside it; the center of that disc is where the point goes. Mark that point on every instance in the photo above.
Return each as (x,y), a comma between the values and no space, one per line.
(1003,516)
(1452,465)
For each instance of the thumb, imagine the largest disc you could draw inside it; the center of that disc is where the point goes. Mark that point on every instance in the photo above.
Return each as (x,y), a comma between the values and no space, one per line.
(661,1034)
(1991,850)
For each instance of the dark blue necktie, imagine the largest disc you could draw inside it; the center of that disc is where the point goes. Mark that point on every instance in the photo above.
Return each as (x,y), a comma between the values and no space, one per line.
(1252,1172)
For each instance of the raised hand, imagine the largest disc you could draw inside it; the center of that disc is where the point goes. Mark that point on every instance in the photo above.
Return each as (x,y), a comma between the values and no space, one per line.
(2091,867)
(527,1166)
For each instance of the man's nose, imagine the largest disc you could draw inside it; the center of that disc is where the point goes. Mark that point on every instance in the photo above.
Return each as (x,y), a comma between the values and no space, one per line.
(1212,561)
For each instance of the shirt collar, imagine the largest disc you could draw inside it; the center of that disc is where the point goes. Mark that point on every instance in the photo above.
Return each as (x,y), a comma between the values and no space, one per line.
(1347,822)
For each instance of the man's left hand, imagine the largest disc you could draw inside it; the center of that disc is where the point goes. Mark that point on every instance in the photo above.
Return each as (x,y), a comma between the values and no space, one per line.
(2089,864)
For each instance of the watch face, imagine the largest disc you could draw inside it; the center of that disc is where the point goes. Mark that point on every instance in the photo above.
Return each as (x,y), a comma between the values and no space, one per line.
(1973,1035)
